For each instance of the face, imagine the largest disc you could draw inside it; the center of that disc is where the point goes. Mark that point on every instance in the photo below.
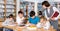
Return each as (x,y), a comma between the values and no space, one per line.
(11,19)
(42,20)
(20,15)
(44,6)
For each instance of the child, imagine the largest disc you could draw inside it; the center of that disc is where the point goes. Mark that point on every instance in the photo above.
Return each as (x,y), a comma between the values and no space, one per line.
(43,23)
(20,18)
(9,20)
(40,13)
(33,19)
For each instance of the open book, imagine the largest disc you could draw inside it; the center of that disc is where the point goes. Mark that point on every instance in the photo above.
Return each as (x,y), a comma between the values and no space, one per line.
(55,14)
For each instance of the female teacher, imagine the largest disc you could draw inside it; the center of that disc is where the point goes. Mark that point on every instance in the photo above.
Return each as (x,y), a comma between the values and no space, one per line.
(49,10)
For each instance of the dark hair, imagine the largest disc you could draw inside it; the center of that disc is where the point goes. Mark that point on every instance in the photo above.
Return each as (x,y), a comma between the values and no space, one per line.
(20,12)
(11,16)
(32,13)
(40,13)
(46,3)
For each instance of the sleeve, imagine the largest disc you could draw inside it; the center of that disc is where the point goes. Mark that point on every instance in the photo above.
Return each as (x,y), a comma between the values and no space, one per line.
(18,20)
(46,15)
(47,26)
(55,9)
(39,25)
(13,21)
(5,23)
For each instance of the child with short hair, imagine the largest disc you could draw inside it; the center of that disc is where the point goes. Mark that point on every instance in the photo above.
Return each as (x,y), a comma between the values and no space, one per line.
(33,19)
(40,14)
(20,18)
(8,21)
(43,23)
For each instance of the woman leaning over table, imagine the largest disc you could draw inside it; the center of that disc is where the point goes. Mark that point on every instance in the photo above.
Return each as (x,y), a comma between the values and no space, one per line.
(49,10)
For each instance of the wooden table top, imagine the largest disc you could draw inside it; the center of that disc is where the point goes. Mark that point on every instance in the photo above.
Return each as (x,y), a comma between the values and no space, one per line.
(1,24)
(18,28)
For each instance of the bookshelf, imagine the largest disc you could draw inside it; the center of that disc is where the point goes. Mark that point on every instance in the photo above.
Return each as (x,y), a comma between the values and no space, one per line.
(2,8)
(26,7)
(7,7)
(39,6)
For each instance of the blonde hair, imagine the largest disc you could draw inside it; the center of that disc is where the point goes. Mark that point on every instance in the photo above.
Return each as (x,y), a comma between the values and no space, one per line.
(44,18)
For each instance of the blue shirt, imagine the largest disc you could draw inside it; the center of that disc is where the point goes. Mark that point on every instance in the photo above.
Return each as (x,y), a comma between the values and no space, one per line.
(34,20)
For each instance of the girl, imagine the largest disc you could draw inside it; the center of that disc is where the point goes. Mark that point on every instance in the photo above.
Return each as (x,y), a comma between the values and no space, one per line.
(43,23)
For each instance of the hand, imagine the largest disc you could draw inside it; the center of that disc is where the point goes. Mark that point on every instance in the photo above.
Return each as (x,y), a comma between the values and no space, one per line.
(28,25)
(32,25)
(10,23)
(53,18)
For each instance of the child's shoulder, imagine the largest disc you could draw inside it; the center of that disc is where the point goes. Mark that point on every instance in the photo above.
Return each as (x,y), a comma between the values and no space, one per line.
(29,18)
(36,16)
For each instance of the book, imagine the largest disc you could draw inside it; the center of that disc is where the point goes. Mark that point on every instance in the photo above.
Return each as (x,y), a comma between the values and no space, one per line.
(55,14)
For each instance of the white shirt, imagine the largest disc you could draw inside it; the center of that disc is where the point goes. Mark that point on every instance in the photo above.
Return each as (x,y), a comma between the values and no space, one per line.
(46,25)
(49,11)
(55,9)
(19,20)
(7,22)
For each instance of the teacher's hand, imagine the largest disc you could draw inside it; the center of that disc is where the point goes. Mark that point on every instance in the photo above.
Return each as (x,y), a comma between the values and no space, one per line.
(53,18)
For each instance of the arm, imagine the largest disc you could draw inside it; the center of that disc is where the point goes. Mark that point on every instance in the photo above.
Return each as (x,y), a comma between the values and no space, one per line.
(46,15)
(29,22)
(5,23)
(55,9)
(38,20)
(47,25)
(18,20)
(39,25)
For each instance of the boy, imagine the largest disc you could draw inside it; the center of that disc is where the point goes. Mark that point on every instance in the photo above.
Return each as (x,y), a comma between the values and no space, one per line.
(44,23)
(8,21)
(33,19)
(20,18)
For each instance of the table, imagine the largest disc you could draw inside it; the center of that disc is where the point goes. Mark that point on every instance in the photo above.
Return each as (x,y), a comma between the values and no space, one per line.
(1,24)
(41,29)
(18,28)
